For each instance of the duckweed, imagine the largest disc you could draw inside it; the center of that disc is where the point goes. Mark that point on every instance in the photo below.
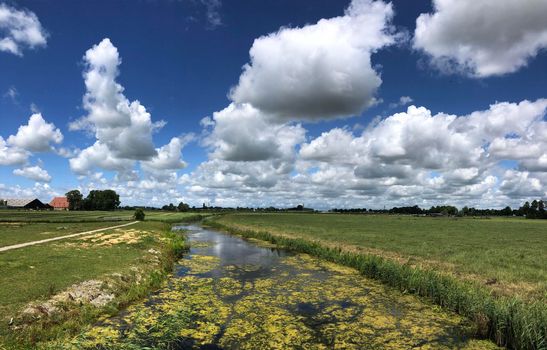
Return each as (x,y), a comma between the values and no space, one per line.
(299,302)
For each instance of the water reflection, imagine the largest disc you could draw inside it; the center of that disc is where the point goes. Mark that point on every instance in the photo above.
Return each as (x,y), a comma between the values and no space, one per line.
(229,293)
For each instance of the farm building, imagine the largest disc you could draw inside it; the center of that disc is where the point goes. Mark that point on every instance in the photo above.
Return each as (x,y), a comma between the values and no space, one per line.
(28,203)
(59,203)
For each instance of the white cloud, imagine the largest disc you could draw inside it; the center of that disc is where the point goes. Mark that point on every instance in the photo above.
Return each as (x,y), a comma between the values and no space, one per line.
(34,173)
(403,101)
(12,155)
(318,71)
(39,190)
(482,37)
(20,29)
(12,94)
(212,13)
(37,135)
(522,184)
(241,132)
(162,169)
(408,158)
(123,129)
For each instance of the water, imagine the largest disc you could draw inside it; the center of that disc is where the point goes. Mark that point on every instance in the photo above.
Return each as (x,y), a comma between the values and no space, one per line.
(230,293)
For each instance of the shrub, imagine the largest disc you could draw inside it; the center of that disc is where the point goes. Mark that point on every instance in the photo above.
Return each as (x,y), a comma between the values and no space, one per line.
(139,215)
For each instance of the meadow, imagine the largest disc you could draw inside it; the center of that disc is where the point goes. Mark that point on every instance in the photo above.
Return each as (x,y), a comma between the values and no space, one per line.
(42,286)
(507,254)
(492,271)
(53,216)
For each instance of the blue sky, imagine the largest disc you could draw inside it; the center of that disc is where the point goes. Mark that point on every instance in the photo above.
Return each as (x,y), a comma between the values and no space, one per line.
(180,59)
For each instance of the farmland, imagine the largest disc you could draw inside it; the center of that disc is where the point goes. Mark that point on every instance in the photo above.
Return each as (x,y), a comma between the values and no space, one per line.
(511,252)
(84,216)
(490,270)
(39,282)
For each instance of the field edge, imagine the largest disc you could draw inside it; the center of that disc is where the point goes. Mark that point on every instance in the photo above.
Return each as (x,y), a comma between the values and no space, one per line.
(76,317)
(508,321)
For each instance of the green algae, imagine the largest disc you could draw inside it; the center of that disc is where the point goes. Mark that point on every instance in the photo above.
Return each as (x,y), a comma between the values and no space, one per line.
(304,303)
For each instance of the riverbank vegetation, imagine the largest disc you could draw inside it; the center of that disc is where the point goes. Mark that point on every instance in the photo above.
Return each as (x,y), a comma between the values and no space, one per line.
(54,289)
(490,270)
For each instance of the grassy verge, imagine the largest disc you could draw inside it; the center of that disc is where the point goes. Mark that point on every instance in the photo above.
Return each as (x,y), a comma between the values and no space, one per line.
(509,321)
(507,255)
(21,232)
(176,218)
(126,265)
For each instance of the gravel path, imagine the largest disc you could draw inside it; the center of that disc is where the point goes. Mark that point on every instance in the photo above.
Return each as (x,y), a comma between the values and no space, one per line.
(22,245)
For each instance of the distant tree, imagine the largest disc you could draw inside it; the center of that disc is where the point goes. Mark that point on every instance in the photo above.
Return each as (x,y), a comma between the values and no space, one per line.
(507,211)
(183,207)
(169,207)
(102,200)
(541,210)
(299,207)
(535,210)
(139,214)
(75,200)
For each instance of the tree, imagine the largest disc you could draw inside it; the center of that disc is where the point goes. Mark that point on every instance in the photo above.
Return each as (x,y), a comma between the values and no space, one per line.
(75,200)
(183,207)
(139,214)
(102,200)
(507,211)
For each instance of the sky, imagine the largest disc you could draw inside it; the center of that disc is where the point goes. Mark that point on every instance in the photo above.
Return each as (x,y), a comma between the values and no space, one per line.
(326,103)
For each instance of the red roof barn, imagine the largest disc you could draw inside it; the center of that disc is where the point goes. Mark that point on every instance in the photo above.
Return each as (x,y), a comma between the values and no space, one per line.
(59,203)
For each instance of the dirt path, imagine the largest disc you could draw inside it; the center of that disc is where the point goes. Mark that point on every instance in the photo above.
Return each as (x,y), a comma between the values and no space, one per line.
(22,245)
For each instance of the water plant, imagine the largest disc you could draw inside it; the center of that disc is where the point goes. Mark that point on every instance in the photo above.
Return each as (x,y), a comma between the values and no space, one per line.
(509,321)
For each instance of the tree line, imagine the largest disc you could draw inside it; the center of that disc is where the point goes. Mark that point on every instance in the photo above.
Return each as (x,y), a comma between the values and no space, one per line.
(95,200)
(533,210)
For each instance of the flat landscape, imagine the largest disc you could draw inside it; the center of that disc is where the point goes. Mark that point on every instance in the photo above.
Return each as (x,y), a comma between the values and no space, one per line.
(508,255)
(118,265)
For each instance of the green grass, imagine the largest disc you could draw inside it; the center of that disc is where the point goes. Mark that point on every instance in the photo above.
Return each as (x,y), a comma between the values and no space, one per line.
(378,245)
(14,233)
(510,251)
(53,216)
(36,272)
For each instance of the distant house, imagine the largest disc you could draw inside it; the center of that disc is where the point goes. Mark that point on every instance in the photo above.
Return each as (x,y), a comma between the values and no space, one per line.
(26,203)
(59,203)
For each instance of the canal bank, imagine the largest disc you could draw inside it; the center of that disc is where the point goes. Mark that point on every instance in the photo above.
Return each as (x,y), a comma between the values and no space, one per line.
(231,293)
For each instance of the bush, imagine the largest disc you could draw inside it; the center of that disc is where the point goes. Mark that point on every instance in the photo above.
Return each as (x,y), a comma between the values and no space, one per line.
(139,215)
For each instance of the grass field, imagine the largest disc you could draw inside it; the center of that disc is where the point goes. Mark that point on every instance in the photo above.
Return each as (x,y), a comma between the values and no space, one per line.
(508,254)
(492,271)
(127,261)
(52,216)
(20,232)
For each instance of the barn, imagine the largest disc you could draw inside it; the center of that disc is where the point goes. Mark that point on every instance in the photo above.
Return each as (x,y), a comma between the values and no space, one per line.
(26,203)
(59,203)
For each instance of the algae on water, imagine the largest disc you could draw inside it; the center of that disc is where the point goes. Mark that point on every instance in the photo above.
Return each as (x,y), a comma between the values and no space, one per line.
(298,302)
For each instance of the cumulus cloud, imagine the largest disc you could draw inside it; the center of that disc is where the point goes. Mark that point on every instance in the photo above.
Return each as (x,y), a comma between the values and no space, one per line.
(241,132)
(11,155)
(482,37)
(408,158)
(123,129)
(37,135)
(34,173)
(20,29)
(39,190)
(318,71)
(315,72)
